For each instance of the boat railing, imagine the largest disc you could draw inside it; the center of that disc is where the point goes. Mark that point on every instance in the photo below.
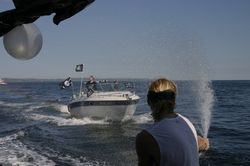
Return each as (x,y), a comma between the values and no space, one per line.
(107,86)
(117,89)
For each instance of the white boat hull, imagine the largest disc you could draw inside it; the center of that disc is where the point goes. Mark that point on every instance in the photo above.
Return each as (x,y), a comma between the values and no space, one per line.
(116,113)
(116,106)
(2,82)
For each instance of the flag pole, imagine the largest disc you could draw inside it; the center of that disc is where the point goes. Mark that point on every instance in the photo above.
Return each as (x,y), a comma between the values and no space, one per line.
(80,93)
(73,92)
(79,68)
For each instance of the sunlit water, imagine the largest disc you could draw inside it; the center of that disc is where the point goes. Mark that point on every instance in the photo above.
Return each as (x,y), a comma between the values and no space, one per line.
(37,129)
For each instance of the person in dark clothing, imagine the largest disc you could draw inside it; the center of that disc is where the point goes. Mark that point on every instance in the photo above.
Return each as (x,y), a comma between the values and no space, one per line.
(172,139)
(91,85)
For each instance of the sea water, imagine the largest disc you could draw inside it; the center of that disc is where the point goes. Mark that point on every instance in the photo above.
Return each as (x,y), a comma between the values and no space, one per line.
(37,129)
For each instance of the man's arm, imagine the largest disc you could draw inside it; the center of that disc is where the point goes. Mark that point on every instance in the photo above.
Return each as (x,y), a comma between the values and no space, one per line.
(147,149)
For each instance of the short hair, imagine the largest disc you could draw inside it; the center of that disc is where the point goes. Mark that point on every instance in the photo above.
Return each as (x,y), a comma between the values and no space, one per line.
(162,95)
(163,84)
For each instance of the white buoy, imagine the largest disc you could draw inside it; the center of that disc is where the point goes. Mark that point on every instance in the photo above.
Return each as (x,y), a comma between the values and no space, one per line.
(23,42)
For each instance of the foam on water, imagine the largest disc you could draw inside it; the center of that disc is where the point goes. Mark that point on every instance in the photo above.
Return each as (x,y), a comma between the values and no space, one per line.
(62,121)
(66,119)
(62,108)
(31,108)
(8,104)
(142,118)
(81,161)
(14,152)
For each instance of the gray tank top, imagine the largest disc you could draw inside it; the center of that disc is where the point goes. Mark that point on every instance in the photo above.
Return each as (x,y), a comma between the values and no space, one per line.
(177,142)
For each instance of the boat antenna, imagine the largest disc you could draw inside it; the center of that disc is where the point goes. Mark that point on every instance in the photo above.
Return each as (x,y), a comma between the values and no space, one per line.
(72,87)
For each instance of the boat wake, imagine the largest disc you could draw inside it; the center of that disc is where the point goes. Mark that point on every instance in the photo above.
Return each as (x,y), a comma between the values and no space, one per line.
(68,120)
(14,152)
(63,118)
(58,114)
(142,118)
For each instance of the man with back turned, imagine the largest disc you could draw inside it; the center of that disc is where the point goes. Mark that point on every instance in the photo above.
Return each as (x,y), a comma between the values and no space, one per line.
(172,139)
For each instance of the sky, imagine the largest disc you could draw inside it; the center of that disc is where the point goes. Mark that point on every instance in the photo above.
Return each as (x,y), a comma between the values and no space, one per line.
(177,39)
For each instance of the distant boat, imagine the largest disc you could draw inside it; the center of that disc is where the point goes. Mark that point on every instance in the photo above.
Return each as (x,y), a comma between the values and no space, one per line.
(106,100)
(2,82)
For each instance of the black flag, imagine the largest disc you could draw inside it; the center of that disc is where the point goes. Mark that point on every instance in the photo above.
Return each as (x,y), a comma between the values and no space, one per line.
(66,83)
(79,68)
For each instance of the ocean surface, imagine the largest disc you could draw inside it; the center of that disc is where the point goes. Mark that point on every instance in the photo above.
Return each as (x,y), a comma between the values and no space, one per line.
(37,129)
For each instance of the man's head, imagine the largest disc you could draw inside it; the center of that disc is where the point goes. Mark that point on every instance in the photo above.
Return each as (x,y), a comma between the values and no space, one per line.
(161,97)
(92,78)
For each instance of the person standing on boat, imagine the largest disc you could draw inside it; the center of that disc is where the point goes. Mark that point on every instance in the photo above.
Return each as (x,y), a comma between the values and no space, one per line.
(91,85)
(115,85)
(172,139)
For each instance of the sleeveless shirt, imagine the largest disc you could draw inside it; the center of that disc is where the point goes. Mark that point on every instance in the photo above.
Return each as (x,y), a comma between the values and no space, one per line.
(177,140)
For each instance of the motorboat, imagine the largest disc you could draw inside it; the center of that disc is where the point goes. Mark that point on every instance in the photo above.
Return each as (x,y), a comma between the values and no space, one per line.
(104,99)
(2,82)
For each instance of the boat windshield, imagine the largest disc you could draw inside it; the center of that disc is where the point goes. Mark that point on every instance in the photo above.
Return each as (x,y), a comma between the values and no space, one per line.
(111,86)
